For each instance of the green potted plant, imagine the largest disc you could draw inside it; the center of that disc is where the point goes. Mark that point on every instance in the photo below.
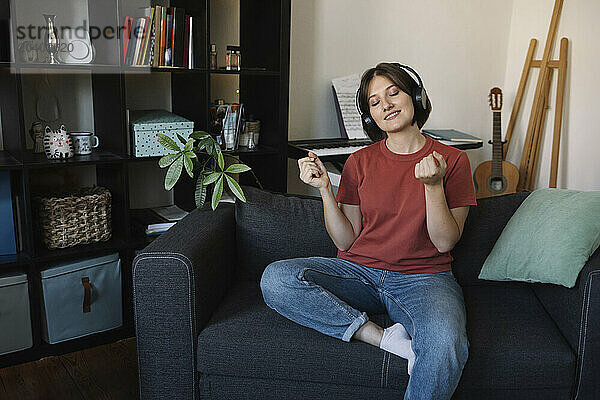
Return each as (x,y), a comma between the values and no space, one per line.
(201,154)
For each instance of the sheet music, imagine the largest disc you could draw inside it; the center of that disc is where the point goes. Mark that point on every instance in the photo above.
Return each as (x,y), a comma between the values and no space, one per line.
(345,90)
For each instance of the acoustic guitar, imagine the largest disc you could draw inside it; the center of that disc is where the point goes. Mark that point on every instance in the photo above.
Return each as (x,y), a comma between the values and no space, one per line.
(496,177)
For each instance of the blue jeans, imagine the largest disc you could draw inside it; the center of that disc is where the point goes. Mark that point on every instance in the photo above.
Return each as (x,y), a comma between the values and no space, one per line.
(333,296)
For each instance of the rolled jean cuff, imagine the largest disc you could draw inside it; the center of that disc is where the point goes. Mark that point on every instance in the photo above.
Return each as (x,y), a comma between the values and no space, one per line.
(354,326)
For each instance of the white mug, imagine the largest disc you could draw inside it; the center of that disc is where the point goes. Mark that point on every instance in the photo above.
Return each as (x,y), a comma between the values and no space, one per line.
(84,142)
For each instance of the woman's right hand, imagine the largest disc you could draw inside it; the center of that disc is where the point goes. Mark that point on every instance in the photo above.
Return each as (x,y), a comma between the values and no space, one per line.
(313,172)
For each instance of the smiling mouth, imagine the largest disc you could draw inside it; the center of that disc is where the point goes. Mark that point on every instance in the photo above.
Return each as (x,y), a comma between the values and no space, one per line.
(392,115)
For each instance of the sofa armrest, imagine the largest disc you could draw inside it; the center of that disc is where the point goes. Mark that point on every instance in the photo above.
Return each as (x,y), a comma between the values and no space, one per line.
(178,281)
(576,312)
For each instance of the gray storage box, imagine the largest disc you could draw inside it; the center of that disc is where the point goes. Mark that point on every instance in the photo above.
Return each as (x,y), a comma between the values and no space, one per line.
(81,298)
(15,320)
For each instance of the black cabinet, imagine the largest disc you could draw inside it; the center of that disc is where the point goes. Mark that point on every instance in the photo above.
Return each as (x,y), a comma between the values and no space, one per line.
(95,97)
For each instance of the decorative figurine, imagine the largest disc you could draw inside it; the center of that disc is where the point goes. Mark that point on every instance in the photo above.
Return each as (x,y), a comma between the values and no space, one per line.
(58,144)
(37,135)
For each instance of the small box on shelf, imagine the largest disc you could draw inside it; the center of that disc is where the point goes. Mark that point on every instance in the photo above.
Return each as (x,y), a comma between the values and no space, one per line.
(145,125)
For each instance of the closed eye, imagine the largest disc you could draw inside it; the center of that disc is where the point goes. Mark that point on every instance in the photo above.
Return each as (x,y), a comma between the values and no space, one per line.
(394,93)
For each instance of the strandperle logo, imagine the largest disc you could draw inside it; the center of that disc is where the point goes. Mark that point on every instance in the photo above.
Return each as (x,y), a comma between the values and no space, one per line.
(33,32)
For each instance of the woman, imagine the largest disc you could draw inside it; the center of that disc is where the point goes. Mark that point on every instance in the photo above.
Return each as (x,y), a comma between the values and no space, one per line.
(400,208)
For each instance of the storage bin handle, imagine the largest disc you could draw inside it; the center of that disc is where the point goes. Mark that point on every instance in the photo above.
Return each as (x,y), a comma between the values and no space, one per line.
(87,294)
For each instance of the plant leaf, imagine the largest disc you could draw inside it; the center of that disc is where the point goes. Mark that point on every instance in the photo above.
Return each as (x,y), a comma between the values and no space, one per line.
(173,173)
(212,178)
(190,154)
(167,142)
(216,149)
(217,193)
(168,160)
(235,188)
(189,166)
(221,161)
(189,145)
(200,193)
(181,139)
(237,168)
(199,135)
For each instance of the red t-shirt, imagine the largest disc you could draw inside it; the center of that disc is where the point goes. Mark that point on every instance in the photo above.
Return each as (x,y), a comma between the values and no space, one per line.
(394,232)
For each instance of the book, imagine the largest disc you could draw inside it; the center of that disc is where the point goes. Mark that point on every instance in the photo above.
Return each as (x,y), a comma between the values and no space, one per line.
(192,62)
(132,40)
(186,42)
(156,36)
(144,57)
(169,38)
(178,36)
(140,47)
(163,36)
(156,229)
(170,213)
(126,36)
(451,135)
(138,41)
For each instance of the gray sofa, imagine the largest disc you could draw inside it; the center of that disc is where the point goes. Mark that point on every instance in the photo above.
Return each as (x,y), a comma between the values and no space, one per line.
(204,332)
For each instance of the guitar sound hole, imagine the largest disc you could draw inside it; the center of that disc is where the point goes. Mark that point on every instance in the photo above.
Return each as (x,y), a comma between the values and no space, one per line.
(497,185)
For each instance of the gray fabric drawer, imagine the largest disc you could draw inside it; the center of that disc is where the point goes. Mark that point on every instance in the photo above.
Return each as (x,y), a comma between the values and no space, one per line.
(64,298)
(15,320)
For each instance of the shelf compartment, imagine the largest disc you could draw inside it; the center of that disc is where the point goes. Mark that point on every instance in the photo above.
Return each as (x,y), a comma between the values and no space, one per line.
(131,69)
(44,255)
(7,161)
(245,71)
(39,160)
(14,260)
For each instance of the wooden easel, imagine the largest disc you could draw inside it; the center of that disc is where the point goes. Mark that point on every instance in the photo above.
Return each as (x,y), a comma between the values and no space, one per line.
(529,157)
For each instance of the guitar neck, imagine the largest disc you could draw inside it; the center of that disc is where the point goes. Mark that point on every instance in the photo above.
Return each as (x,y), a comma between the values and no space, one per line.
(496,146)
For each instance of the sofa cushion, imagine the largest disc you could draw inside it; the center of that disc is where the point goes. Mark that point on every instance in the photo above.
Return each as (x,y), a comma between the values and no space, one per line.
(482,229)
(548,239)
(514,344)
(272,226)
(246,338)
(513,341)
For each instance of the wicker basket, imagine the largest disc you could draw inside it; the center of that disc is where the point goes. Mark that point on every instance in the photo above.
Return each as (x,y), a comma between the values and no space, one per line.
(76,218)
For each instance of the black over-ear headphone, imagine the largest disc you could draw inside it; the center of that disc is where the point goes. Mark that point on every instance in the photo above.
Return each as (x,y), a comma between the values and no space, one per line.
(418,95)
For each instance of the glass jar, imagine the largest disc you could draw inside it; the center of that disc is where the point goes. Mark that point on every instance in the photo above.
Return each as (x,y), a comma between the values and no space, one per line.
(213,56)
(230,58)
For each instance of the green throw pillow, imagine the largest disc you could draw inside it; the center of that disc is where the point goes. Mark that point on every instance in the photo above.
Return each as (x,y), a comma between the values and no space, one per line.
(548,239)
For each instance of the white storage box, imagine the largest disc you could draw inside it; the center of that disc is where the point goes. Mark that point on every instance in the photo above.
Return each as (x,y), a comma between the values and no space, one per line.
(81,298)
(15,320)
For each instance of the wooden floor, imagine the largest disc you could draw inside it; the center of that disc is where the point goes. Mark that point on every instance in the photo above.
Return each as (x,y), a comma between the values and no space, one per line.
(101,373)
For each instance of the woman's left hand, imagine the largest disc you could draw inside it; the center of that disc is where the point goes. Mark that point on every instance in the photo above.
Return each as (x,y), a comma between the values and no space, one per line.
(429,171)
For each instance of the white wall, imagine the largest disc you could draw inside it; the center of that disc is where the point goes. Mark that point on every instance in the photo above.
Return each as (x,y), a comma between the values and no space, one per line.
(458,48)
(580,139)
(461,50)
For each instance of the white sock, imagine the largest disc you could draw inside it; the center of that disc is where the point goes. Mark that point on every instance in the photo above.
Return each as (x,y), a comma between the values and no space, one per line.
(397,341)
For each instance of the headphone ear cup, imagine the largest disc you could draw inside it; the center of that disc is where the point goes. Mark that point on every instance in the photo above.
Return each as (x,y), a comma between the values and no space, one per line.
(420,98)
(368,122)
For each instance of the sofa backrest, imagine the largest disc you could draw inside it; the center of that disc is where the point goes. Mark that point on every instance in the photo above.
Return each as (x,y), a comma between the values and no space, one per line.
(274,226)
(483,227)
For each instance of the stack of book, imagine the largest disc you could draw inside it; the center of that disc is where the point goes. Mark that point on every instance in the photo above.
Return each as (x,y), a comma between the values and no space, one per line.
(170,215)
(154,221)
(163,37)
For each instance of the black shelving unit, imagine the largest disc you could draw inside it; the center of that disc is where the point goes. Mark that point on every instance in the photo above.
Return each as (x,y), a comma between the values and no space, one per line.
(264,91)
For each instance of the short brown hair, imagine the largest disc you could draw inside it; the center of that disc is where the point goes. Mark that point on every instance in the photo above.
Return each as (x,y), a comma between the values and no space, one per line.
(400,78)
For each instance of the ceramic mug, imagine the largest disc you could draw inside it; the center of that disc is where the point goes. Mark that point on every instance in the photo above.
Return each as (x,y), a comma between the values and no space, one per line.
(84,142)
